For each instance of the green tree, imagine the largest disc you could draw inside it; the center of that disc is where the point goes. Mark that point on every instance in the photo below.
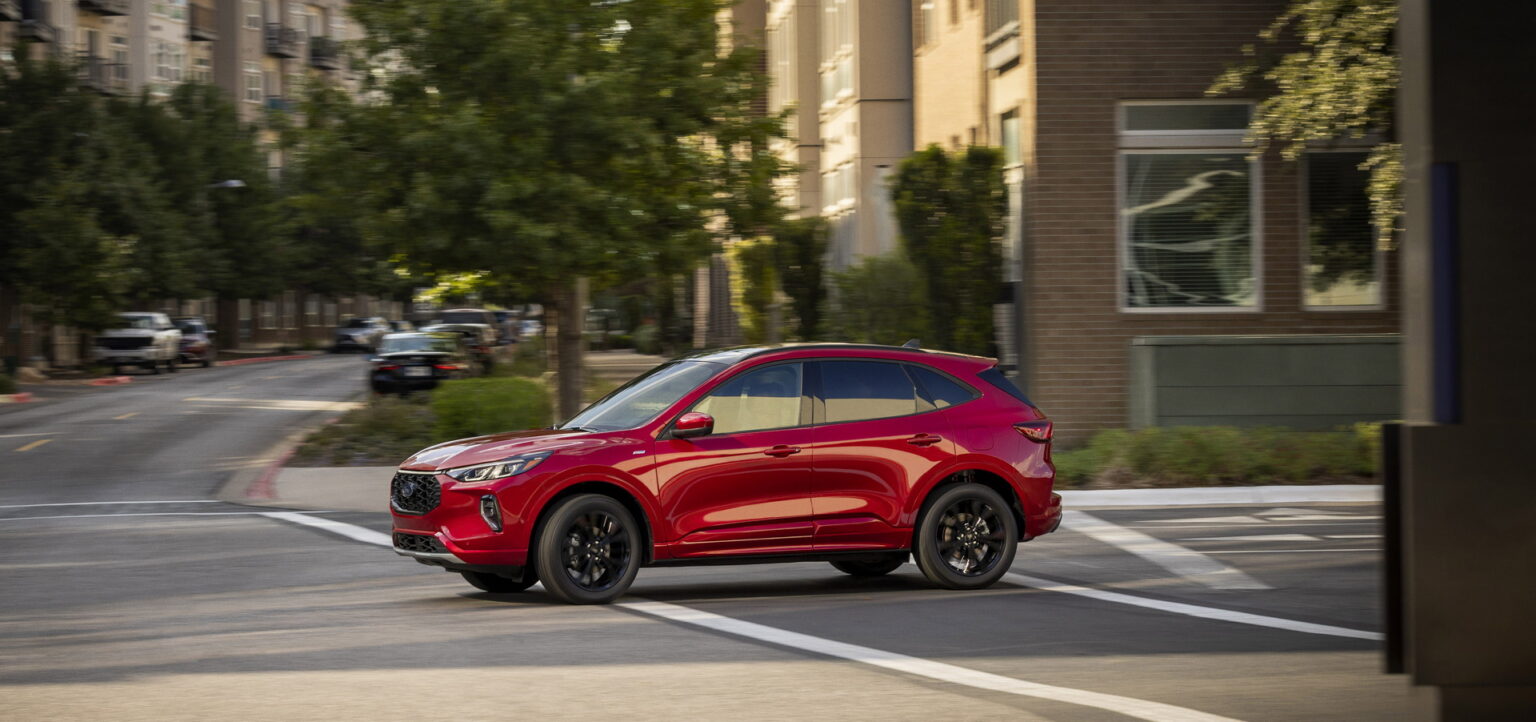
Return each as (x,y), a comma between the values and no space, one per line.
(800,249)
(548,141)
(952,210)
(881,300)
(1331,71)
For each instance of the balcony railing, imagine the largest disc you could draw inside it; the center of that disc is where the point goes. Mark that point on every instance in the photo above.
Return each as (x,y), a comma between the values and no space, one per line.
(34,22)
(107,7)
(1000,13)
(103,77)
(283,42)
(203,23)
(325,53)
(10,11)
(279,104)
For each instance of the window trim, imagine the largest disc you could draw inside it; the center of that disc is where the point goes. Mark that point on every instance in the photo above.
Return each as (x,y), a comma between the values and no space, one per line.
(1123,132)
(1303,222)
(1255,249)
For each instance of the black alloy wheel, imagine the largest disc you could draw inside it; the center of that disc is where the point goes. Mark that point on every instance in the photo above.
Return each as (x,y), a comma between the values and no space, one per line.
(497,584)
(589,550)
(967,538)
(870,567)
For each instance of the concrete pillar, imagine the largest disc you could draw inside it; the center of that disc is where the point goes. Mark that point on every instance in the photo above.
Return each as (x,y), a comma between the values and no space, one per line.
(1468,122)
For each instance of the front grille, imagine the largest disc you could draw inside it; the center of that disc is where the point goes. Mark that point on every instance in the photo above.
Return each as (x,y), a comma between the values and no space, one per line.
(420,543)
(123,343)
(414,493)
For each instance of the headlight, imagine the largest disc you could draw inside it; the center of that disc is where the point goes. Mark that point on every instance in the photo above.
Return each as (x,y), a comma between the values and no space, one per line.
(492,471)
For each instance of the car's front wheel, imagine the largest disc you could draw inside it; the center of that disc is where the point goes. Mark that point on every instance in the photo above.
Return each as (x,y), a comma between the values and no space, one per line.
(497,584)
(967,538)
(589,550)
(871,568)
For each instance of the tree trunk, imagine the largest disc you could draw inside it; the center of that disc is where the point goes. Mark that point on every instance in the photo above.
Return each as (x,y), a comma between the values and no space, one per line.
(570,356)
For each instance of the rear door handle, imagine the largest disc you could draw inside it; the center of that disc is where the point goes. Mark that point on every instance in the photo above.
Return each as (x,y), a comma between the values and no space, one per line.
(924,440)
(782,450)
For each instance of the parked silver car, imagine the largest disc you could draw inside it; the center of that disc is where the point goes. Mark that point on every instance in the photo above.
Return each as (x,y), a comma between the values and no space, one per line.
(360,334)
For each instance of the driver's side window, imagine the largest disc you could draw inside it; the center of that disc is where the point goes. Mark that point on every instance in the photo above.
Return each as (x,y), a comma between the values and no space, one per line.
(766,398)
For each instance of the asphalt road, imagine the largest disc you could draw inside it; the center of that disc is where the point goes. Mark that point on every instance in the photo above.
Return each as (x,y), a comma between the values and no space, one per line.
(197,608)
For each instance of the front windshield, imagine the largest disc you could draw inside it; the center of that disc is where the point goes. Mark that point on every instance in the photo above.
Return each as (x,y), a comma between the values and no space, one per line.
(134,321)
(417,343)
(642,399)
(463,317)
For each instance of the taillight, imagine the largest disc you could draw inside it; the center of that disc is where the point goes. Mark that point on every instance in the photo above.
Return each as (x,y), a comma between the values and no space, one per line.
(388,367)
(1039,431)
(447,367)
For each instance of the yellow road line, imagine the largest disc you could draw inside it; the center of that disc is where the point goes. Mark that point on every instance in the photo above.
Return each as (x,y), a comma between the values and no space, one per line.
(124,416)
(34,444)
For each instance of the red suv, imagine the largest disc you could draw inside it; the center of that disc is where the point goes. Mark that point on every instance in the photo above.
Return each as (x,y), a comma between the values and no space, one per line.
(849,454)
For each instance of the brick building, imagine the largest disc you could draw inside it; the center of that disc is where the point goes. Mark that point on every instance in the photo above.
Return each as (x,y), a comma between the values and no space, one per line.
(1160,275)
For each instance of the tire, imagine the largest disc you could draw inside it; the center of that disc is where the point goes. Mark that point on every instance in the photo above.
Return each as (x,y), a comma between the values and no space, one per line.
(171,366)
(589,550)
(967,538)
(153,367)
(863,568)
(208,360)
(497,584)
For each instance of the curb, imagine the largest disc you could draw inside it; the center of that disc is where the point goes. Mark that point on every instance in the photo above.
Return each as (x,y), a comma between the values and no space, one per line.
(262,359)
(18,398)
(1219,495)
(110,381)
(258,487)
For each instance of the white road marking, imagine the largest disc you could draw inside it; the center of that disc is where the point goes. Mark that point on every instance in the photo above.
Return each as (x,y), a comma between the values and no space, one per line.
(129,514)
(108,503)
(1184,562)
(350,531)
(1290,551)
(1254,538)
(1352,536)
(278,404)
(1212,520)
(1324,517)
(1129,706)
(1191,610)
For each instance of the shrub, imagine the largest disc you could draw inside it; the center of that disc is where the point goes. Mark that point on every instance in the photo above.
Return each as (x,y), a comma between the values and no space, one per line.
(386,430)
(7,384)
(1219,455)
(648,339)
(474,407)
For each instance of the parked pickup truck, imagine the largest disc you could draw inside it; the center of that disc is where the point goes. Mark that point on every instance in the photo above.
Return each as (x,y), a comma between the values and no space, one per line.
(146,340)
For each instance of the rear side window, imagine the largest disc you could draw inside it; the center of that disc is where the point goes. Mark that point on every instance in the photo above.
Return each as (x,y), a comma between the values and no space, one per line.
(941,389)
(996,378)
(857,390)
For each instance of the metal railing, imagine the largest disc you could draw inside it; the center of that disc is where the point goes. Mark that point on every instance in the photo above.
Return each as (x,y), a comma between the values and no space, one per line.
(10,11)
(103,77)
(1000,13)
(203,23)
(107,7)
(283,42)
(34,22)
(325,53)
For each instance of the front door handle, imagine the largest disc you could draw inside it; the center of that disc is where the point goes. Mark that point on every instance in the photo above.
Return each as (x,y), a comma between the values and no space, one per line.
(782,450)
(925,440)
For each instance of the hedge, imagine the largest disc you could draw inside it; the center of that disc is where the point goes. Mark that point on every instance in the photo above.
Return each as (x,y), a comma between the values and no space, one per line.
(1220,455)
(475,407)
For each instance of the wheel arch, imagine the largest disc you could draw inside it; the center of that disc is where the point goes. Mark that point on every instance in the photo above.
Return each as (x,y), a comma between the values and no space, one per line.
(988,478)
(601,487)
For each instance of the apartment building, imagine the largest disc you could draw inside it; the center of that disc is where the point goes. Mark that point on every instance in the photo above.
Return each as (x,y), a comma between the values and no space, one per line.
(1162,275)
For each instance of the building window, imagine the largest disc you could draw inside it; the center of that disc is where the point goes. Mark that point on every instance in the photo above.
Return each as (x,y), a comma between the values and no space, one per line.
(783,67)
(267,315)
(173,9)
(253,14)
(1343,267)
(1010,132)
(922,23)
(253,90)
(202,70)
(170,60)
(1188,207)
(311,310)
(289,306)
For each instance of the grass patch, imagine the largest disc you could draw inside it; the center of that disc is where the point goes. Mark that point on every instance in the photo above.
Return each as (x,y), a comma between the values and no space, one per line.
(1220,456)
(382,433)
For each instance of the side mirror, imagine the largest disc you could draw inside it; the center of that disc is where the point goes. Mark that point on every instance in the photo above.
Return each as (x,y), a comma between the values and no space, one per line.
(693,424)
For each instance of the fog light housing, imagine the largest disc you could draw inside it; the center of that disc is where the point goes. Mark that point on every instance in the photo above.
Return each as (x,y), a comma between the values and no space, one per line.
(490,512)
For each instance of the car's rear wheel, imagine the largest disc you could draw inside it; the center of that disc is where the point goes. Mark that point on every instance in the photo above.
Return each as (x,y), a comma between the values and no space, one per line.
(208,359)
(153,367)
(497,584)
(967,538)
(589,550)
(171,365)
(871,568)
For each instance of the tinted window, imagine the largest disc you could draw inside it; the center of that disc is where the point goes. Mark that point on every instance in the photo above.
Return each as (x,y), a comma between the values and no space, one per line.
(996,378)
(465,317)
(855,390)
(941,389)
(766,398)
(397,344)
(355,323)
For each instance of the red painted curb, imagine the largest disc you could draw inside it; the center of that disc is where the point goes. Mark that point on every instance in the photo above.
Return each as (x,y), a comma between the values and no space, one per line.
(111,380)
(263,359)
(264,487)
(21,398)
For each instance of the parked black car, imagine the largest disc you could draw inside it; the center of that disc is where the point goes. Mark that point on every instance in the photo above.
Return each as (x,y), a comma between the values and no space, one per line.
(418,362)
(196,341)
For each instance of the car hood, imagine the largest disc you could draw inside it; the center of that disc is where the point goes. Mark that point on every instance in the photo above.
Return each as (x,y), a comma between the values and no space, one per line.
(485,449)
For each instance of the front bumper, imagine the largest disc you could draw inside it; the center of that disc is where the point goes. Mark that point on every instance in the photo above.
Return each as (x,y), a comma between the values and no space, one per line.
(125,356)
(442,526)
